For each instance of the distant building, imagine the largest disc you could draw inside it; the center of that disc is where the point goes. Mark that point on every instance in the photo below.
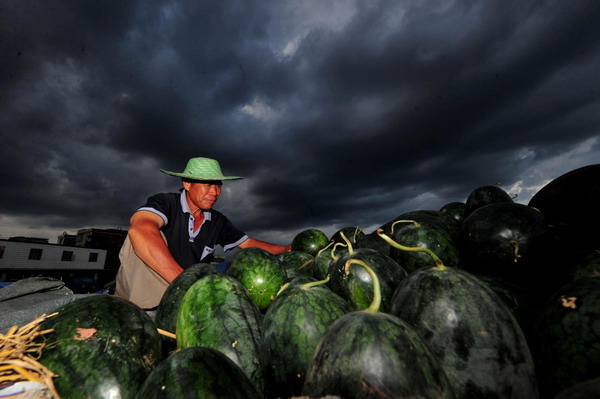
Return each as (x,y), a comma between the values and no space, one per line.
(20,259)
(67,239)
(29,239)
(18,254)
(109,239)
(91,255)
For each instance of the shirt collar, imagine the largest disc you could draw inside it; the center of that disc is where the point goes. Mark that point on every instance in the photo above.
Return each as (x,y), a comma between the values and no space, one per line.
(186,209)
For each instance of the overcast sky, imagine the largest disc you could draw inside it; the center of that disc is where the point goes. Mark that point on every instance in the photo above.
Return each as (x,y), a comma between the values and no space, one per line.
(337,113)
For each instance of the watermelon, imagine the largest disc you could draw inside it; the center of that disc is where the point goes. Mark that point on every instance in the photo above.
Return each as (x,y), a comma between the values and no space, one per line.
(586,263)
(323,259)
(467,326)
(485,195)
(567,336)
(101,345)
(455,210)
(355,284)
(310,240)
(427,217)
(302,279)
(292,326)
(513,242)
(517,300)
(166,313)
(424,235)
(570,202)
(589,389)
(197,372)
(373,241)
(296,263)
(352,234)
(260,272)
(367,354)
(218,312)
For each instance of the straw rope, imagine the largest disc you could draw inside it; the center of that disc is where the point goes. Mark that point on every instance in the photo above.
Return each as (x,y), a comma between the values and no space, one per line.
(19,351)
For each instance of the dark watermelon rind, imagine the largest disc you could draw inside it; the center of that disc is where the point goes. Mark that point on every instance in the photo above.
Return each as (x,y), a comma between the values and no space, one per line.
(368,355)
(166,313)
(297,263)
(310,240)
(476,337)
(352,234)
(197,372)
(455,210)
(260,272)
(427,217)
(218,312)
(567,333)
(513,242)
(100,344)
(292,327)
(485,195)
(570,201)
(589,389)
(424,235)
(357,286)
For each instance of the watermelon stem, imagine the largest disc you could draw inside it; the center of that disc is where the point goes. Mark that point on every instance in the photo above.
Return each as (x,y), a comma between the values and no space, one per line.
(348,242)
(305,264)
(283,287)
(515,245)
(166,333)
(322,250)
(333,256)
(376,303)
(311,284)
(438,262)
(414,222)
(356,231)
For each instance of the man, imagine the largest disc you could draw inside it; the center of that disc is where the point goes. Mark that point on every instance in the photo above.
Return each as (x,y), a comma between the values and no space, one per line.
(174,231)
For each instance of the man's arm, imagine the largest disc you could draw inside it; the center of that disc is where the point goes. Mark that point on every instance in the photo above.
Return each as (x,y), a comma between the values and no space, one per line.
(267,246)
(150,246)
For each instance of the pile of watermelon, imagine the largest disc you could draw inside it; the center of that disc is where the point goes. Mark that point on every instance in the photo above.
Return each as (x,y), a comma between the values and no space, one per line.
(486,298)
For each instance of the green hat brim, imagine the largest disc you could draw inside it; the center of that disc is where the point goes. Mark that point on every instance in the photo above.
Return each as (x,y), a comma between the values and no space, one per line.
(202,169)
(196,177)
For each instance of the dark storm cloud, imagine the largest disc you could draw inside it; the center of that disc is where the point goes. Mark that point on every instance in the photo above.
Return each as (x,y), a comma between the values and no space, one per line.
(339,113)
(457,94)
(53,99)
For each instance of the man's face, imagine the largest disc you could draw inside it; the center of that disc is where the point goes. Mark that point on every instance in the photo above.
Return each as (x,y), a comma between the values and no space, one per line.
(202,195)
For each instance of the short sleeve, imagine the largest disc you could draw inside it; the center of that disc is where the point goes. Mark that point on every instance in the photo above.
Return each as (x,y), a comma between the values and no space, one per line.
(229,235)
(160,204)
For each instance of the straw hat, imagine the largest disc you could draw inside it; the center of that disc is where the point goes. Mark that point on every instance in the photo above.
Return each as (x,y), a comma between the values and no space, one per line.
(202,169)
